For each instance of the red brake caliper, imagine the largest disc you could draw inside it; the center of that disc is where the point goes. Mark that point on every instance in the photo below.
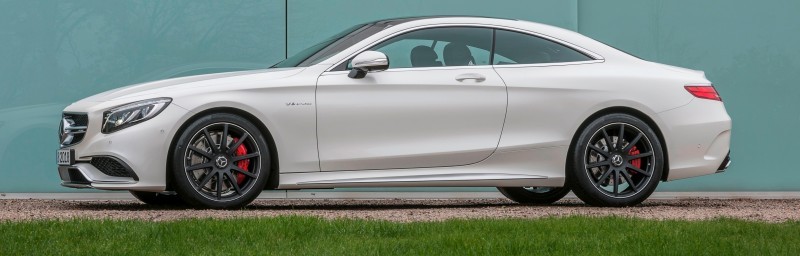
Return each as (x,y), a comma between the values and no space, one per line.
(244,164)
(635,162)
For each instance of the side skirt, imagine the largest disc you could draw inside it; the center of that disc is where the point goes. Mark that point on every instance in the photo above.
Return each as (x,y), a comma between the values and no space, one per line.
(520,168)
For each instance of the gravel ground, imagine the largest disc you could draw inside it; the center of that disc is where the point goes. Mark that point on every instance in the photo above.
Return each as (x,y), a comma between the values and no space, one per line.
(406,210)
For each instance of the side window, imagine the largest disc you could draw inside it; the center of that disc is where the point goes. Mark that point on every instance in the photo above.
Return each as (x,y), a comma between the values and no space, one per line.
(437,47)
(519,48)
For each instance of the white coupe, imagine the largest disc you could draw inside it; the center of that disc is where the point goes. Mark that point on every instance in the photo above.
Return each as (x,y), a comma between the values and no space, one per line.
(534,110)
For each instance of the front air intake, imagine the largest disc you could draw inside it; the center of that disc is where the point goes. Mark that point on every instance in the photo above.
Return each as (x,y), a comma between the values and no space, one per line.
(75,176)
(112,167)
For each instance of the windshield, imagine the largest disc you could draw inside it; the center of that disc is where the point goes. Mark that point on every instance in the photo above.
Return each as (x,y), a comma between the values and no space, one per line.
(331,46)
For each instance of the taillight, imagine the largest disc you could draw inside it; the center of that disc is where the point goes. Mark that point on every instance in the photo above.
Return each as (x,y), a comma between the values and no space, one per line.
(703,92)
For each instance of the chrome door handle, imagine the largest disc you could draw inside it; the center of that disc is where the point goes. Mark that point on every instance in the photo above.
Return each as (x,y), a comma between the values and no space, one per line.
(474,76)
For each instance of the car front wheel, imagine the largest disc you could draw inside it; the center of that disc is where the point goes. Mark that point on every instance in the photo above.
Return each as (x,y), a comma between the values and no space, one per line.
(220,161)
(617,161)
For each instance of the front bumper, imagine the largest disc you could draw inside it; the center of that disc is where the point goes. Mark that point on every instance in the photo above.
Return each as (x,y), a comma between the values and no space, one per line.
(142,149)
(84,175)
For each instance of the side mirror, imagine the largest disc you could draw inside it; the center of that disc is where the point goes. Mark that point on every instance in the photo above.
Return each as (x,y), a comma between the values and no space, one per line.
(368,61)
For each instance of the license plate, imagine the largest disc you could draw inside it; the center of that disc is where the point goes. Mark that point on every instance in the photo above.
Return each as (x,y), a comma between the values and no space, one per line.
(66,157)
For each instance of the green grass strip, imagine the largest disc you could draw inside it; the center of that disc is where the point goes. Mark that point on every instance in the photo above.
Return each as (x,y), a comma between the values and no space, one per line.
(294,235)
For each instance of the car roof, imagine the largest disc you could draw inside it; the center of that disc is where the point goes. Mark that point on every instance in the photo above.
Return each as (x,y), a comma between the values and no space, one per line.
(400,20)
(571,38)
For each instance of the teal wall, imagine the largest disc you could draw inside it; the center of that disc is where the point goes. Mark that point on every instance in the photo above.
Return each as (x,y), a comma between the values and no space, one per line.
(56,52)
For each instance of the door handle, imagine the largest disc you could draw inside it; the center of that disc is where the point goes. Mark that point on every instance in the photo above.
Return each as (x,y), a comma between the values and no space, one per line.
(474,76)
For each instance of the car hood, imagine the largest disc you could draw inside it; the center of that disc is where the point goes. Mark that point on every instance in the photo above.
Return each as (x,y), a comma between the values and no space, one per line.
(161,86)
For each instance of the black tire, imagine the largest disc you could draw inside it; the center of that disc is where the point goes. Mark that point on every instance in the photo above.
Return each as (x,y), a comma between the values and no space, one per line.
(603,172)
(534,195)
(157,199)
(211,174)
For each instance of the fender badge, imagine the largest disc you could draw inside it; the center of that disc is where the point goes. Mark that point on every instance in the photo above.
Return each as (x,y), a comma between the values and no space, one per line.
(290,104)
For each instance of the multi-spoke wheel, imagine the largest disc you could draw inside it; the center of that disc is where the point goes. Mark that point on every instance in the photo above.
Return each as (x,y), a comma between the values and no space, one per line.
(617,161)
(534,195)
(220,161)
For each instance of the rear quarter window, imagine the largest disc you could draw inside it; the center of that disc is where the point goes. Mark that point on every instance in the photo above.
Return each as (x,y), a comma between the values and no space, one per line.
(519,48)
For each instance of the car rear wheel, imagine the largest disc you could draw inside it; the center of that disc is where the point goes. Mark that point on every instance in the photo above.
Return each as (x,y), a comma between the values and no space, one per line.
(616,161)
(158,199)
(220,161)
(534,195)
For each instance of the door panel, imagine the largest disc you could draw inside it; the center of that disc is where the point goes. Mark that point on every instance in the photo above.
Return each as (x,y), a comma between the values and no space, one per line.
(409,118)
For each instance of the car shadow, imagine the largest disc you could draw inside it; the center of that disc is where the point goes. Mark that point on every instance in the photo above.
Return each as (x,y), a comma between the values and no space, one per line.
(347,205)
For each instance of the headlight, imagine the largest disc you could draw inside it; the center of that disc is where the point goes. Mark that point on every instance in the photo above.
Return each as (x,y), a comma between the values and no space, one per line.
(127,115)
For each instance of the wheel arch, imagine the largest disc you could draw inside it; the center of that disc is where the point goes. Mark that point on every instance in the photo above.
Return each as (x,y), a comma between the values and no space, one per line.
(624,110)
(274,176)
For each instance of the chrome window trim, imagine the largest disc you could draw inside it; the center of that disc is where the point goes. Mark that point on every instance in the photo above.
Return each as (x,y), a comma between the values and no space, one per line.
(413,69)
(549,64)
(555,64)
(593,55)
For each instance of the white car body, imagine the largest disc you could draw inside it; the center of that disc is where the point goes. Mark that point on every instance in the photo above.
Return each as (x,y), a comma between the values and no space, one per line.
(419,126)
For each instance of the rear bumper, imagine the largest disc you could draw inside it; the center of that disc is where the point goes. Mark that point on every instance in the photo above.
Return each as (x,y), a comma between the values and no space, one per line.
(697,137)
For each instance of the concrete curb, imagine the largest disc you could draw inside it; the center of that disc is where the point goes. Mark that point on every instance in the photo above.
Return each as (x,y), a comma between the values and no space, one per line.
(282,194)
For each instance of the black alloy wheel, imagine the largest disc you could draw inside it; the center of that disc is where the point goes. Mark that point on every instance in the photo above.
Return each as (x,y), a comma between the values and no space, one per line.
(618,162)
(221,161)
